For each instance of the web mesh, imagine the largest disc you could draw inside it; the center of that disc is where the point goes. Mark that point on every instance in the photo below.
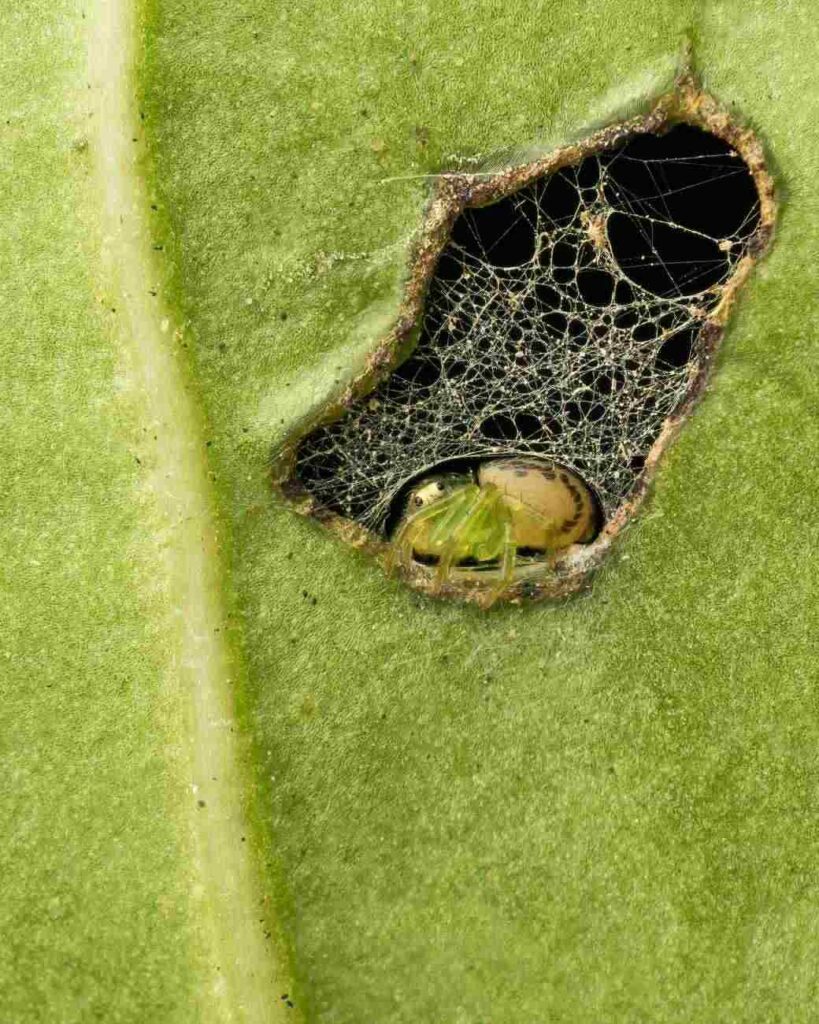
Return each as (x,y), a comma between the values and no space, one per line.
(563,321)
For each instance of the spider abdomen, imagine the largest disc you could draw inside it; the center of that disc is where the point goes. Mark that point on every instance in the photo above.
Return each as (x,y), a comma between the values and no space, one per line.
(551,507)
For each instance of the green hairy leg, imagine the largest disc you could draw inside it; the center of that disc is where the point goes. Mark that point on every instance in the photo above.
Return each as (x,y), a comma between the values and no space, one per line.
(508,559)
(444,510)
(473,532)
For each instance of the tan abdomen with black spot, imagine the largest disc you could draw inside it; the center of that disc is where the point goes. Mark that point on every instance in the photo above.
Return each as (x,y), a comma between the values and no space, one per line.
(552,507)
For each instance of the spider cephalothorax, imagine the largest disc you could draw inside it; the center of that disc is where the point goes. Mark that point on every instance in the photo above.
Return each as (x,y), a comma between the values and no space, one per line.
(487,518)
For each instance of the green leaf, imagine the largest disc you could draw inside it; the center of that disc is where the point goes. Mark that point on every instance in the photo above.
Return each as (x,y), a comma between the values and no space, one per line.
(601,809)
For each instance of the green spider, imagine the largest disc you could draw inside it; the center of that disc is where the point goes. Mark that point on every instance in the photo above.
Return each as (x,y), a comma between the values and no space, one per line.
(486,518)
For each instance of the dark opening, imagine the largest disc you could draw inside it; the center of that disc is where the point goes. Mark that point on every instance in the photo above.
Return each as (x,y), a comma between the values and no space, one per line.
(682,201)
(678,204)
(498,232)
(676,350)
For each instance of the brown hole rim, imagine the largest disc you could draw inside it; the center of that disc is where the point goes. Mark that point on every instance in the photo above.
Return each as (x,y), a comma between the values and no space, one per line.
(686,103)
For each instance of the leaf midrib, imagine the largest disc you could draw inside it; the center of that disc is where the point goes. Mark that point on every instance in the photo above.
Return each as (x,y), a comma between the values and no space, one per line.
(243,973)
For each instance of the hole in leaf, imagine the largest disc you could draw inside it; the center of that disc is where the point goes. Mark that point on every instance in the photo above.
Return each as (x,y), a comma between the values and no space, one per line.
(562,321)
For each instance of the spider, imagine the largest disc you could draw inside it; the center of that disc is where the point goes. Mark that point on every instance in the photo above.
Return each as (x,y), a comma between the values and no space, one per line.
(487,517)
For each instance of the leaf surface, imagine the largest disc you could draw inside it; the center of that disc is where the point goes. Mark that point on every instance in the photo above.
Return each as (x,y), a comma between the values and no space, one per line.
(597,810)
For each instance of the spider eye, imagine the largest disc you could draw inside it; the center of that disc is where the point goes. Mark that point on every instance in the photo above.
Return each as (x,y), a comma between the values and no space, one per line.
(419,501)
(439,486)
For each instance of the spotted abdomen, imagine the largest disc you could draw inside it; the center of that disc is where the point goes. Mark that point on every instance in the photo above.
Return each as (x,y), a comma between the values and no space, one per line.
(551,506)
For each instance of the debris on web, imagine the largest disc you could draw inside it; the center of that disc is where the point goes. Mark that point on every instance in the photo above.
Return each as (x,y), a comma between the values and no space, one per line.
(564,320)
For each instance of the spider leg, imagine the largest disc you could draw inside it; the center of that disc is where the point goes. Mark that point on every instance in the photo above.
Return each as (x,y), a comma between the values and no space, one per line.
(508,559)
(403,544)
(400,553)
(458,511)
(456,528)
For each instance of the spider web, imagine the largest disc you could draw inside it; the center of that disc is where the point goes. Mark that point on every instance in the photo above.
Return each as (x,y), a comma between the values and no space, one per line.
(563,321)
